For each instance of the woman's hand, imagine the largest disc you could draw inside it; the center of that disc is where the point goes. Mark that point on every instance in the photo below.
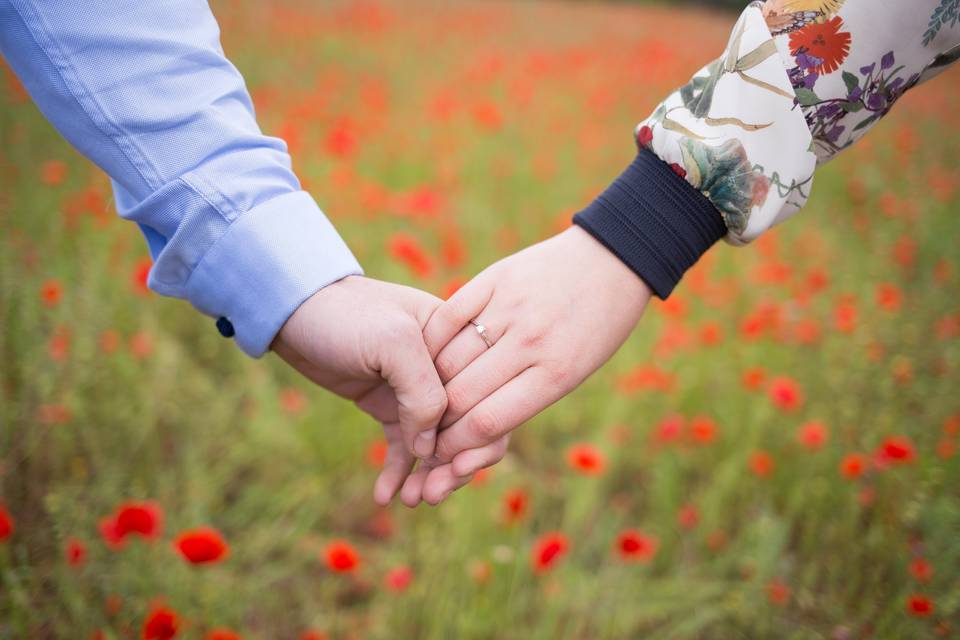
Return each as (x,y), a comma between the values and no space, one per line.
(554,312)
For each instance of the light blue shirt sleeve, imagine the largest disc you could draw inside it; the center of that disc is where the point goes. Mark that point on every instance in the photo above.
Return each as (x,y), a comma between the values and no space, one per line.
(143,89)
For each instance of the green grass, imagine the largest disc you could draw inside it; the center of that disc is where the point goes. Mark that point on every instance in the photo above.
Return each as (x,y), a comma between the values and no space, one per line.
(204,431)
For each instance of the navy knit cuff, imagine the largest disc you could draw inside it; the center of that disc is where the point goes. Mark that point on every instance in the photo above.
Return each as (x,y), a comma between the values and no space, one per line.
(656,222)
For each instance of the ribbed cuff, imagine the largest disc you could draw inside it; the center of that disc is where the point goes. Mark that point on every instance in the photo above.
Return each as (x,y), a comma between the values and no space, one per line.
(656,222)
(268,262)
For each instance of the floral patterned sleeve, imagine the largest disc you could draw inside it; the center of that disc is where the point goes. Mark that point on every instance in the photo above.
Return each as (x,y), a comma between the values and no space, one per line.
(799,81)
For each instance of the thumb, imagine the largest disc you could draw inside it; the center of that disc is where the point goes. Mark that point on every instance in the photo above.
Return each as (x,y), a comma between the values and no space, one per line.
(407,367)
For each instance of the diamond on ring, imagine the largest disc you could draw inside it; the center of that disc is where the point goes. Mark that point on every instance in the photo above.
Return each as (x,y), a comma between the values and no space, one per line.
(482,331)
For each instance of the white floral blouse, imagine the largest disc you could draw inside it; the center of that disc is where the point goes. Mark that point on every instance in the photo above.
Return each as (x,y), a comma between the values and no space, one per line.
(800,81)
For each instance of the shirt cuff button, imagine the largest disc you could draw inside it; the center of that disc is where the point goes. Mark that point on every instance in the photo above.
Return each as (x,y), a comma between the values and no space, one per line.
(225,327)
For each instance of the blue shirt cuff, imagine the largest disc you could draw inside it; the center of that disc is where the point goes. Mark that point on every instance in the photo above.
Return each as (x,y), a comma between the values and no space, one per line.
(266,264)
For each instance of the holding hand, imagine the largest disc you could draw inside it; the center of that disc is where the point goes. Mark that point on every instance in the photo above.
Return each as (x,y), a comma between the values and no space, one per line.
(362,339)
(553,313)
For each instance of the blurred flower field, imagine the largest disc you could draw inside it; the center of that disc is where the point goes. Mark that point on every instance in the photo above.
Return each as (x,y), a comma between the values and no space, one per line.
(773,454)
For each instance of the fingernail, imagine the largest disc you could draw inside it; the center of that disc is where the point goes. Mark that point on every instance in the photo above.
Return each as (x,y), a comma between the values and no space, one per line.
(424,443)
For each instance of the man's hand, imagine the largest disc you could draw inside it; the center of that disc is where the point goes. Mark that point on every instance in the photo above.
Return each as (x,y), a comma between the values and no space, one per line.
(362,339)
(555,312)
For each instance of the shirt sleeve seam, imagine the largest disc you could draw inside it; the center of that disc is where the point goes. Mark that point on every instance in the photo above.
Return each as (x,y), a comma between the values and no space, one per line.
(60,62)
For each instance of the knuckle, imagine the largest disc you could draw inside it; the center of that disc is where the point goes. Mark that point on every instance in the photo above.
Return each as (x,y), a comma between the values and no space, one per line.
(492,457)
(433,497)
(445,367)
(444,451)
(432,405)
(558,375)
(533,339)
(456,398)
(451,312)
(485,424)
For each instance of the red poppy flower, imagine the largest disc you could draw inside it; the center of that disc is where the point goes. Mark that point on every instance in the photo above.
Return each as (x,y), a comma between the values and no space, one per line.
(377,453)
(717,539)
(141,272)
(853,465)
(813,435)
(905,251)
(806,331)
(452,286)
(845,315)
(669,429)
(398,578)
(109,341)
(59,345)
(919,605)
(946,448)
(688,516)
(889,297)
(6,524)
(408,250)
(341,557)
(143,518)
(762,464)
(75,552)
(646,377)
(817,280)
(824,41)
(424,202)
(53,172)
(453,248)
(753,378)
(141,344)
(341,141)
(313,634)
(203,545)
(586,459)
(132,518)
(897,450)
(951,426)
(515,503)
(481,477)
(222,634)
(113,604)
(480,571)
(108,531)
(51,293)
(161,624)
(785,393)
(292,401)
(778,592)
(710,334)
(547,551)
(921,570)
(636,546)
(53,414)
(703,430)
(487,116)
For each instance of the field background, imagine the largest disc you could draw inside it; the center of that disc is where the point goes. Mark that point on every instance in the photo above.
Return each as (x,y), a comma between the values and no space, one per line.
(467,130)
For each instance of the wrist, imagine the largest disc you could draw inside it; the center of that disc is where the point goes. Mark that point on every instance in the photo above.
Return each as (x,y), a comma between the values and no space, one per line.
(326,298)
(603,268)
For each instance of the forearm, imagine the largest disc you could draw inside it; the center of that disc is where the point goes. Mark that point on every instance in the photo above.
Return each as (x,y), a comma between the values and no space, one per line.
(146,92)
(738,145)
